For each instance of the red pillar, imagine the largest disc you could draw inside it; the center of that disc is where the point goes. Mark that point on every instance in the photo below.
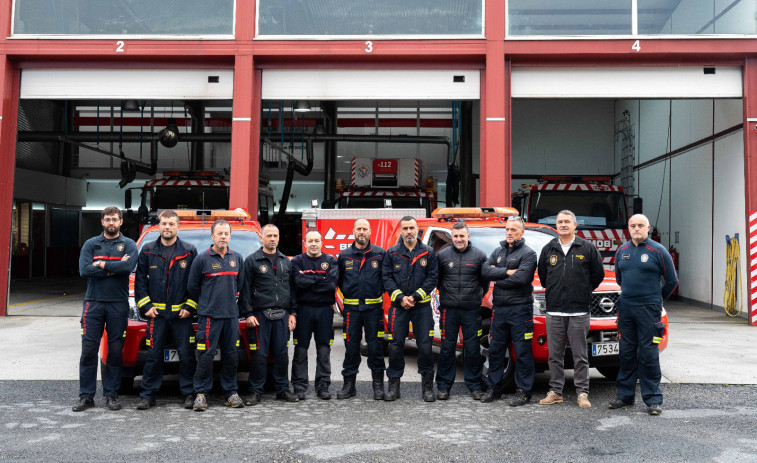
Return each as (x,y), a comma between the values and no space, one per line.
(245,136)
(495,152)
(750,178)
(9,83)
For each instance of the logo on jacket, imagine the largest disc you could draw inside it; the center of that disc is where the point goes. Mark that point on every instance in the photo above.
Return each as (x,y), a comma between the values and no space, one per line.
(233,263)
(120,247)
(183,264)
(644,257)
(552,259)
(263,269)
(215,266)
(499,259)
(324,265)
(451,264)
(374,264)
(423,262)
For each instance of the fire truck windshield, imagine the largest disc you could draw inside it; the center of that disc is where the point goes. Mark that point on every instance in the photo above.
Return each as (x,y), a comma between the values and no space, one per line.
(487,239)
(595,210)
(244,242)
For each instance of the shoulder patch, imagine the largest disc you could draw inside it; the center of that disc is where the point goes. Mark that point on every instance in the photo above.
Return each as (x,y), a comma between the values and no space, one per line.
(374,264)
(553,260)
(423,262)
(120,247)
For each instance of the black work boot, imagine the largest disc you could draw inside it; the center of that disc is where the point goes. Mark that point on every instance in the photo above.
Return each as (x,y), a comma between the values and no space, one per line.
(83,403)
(348,389)
(378,384)
(393,391)
(428,387)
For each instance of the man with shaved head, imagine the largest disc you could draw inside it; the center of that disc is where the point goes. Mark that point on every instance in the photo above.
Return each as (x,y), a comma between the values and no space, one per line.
(644,270)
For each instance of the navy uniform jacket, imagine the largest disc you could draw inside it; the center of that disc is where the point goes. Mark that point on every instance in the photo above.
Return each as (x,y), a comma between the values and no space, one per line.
(638,270)
(214,282)
(265,287)
(360,277)
(410,273)
(460,282)
(316,285)
(163,284)
(111,283)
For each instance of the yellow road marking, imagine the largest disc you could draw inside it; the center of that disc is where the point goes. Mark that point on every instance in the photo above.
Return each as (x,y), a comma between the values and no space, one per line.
(45,300)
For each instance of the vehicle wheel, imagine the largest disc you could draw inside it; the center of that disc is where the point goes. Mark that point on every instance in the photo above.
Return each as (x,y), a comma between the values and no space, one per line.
(127,382)
(508,375)
(609,372)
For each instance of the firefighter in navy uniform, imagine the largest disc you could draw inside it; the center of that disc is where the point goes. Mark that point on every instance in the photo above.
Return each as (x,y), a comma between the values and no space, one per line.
(362,288)
(160,289)
(410,274)
(315,278)
(106,261)
(214,280)
(267,303)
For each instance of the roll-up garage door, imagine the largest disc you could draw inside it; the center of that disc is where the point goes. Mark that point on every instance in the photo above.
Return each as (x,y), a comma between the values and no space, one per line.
(163,84)
(335,84)
(627,82)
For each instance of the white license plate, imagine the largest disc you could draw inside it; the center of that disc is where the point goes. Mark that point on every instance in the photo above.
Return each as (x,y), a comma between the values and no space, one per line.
(172,355)
(604,348)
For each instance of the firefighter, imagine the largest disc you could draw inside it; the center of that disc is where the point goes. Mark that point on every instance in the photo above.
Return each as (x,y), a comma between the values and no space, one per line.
(214,280)
(511,266)
(106,261)
(267,303)
(160,289)
(362,288)
(410,274)
(315,278)
(640,267)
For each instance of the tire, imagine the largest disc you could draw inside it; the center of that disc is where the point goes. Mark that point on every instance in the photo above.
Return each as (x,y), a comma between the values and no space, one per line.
(127,382)
(508,375)
(609,372)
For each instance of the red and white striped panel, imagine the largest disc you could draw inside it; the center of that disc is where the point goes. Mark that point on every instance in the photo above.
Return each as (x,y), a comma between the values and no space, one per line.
(576,187)
(183,182)
(753,268)
(352,175)
(605,240)
(384,193)
(417,172)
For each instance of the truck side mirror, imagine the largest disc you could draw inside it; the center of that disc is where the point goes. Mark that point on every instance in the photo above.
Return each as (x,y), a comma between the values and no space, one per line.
(637,205)
(127,199)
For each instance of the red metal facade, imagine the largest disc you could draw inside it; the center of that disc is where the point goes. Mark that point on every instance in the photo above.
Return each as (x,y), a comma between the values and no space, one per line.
(494,55)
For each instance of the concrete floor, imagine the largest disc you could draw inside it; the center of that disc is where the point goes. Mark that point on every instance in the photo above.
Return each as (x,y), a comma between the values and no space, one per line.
(40,339)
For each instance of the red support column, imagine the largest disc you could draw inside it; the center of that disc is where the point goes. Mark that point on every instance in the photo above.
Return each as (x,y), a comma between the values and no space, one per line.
(245,136)
(9,83)
(495,152)
(750,177)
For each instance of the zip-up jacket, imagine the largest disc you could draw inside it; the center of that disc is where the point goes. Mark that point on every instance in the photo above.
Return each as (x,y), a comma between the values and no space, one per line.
(460,282)
(410,273)
(360,277)
(214,282)
(638,270)
(515,289)
(161,283)
(315,279)
(111,283)
(265,287)
(570,279)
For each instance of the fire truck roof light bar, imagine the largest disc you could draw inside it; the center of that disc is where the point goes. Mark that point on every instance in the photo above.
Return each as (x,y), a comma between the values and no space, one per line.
(474,212)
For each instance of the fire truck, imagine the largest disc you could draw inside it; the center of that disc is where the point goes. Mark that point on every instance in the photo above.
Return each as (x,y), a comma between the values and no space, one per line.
(601,208)
(374,181)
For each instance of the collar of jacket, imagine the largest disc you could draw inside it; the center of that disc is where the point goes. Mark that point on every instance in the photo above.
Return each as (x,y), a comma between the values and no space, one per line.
(120,237)
(418,247)
(180,247)
(367,249)
(259,254)
(212,251)
(516,244)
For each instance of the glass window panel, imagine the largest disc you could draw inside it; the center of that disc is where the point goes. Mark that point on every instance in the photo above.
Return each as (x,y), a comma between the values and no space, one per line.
(363,17)
(576,17)
(697,17)
(124,17)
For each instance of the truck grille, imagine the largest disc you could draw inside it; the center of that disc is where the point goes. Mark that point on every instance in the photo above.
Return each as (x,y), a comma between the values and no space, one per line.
(604,305)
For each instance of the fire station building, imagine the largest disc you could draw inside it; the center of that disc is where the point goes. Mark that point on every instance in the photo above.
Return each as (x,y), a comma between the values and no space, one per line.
(277,97)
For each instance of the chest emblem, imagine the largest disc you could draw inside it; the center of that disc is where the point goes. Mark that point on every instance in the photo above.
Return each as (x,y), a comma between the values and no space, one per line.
(215,266)
(626,257)
(263,269)
(423,262)
(499,259)
(324,265)
(579,256)
(553,260)
(183,264)
(451,264)
(120,248)
(233,263)
(644,257)
(374,264)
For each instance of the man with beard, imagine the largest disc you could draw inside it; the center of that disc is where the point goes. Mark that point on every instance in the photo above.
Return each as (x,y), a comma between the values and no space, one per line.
(511,266)
(267,303)
(410,274)
(461,289)
(160,289)
(214,280)
(106,261)
(315,278)
(362,288)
